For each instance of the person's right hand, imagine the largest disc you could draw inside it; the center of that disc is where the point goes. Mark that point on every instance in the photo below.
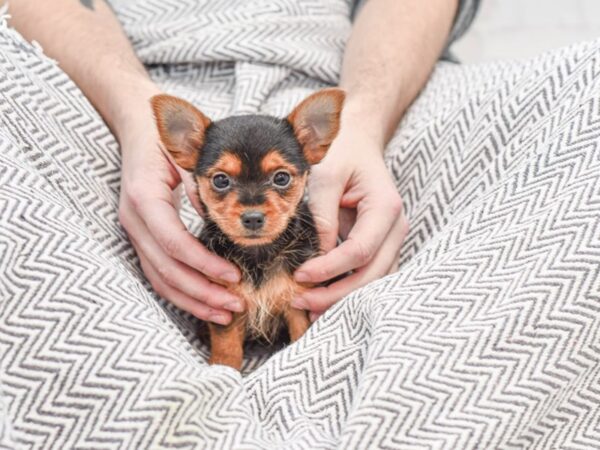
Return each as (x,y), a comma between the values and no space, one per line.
(177,265)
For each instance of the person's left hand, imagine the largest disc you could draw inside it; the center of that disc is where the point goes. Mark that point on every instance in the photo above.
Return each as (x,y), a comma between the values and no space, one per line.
(351,194)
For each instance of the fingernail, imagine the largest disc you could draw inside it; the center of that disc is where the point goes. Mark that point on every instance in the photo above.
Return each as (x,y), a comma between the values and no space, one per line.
(299,303)
(221,319)
(313,316)
(230,277)
(301,277)
(235,306)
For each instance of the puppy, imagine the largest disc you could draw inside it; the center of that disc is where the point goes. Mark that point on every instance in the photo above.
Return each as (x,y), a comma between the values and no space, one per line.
(251,173)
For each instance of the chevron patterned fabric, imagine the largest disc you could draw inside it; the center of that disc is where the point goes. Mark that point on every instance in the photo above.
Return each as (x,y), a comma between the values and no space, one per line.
(488,336)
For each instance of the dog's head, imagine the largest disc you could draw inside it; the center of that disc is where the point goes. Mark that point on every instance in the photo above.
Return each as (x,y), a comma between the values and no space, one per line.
(250,170)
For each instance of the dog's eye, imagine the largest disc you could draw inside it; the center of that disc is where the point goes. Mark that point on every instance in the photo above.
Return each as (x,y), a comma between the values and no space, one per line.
(221,182)
(282,179)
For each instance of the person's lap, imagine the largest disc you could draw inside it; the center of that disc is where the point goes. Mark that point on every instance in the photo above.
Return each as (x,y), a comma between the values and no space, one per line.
(497,165)
(493,315)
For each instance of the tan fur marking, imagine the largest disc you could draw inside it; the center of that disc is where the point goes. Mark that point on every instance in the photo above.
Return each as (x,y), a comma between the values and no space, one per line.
(266,305)
(273,161)
(227,342)
(226,212)
(228,163)
(297,322)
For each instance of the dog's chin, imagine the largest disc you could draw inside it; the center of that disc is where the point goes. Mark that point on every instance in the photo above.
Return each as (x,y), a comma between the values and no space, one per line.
(253,240)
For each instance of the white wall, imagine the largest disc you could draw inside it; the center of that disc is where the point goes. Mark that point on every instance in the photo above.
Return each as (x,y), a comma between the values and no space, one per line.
(521,28)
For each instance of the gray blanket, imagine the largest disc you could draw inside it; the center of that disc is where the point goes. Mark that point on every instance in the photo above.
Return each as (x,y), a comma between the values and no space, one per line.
(488,336)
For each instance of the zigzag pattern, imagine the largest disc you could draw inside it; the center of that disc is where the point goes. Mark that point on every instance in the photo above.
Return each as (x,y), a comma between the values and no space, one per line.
(487,337)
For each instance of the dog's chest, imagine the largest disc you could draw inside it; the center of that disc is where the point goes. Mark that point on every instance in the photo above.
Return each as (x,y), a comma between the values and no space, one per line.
(275,292)
(267,302)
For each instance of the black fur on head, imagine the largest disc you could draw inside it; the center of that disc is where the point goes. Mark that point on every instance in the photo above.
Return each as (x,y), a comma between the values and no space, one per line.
(251,174)
(250,137)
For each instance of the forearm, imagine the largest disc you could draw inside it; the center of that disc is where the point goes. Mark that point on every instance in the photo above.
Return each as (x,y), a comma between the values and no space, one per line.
(392,49)
(87,41)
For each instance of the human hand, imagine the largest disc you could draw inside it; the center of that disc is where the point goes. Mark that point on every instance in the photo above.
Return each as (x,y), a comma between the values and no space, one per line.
(351,193)
(177,265)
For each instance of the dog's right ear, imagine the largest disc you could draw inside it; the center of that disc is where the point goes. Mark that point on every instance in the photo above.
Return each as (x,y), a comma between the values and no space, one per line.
(316,122)
(181,127)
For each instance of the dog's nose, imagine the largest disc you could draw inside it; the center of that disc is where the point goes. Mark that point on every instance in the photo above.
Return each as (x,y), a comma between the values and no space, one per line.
(253,220)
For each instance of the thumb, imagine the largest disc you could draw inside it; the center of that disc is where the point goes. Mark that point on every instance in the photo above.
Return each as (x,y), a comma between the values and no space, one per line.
(187,179)
(191,190)
(324,204)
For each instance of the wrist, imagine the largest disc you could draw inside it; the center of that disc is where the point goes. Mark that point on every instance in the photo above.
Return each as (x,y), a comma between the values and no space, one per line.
(127,110)
(360,127)
(361,120)
(352,147)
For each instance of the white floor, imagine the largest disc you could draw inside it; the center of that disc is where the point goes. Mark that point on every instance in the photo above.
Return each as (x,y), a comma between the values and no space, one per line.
(521,28)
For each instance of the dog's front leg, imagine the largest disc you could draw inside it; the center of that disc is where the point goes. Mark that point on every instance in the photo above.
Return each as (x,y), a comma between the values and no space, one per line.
(297,322)
(227,342)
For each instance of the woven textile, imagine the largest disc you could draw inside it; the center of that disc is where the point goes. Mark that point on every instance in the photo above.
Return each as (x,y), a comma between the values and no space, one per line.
(488,336)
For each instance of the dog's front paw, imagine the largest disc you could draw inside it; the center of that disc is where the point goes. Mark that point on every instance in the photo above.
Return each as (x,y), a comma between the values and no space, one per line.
(234,361)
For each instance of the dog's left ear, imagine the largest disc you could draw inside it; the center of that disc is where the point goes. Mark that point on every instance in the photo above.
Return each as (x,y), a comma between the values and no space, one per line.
(181,127)
(316,122)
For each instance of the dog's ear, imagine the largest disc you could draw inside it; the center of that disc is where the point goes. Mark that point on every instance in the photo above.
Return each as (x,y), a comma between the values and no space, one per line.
(316,122)
(181,127)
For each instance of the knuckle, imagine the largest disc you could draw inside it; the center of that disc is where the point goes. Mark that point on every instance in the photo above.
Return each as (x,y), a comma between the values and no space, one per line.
(322,301)
(205,269)
(171,245)
(166,275)
(202,315)
(158,288)
(396,205)
(134,193)
(123,216)
(206,296)
(202,263)
(201,312)
(362,253)
(405,226)
(326,229)
(326,273)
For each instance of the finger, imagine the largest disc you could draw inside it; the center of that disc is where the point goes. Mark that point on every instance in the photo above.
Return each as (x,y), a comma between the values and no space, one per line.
(191,191)
(395,263)
(403,228)
(177,198)
(166,227)
(187,179)
(394,267)
(324,201)
(347,219)
(321,298)
(314,316)
(181,300)
(373,223)
(181,277)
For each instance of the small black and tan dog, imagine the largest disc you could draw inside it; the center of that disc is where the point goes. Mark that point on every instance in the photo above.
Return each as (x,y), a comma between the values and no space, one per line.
(251,173)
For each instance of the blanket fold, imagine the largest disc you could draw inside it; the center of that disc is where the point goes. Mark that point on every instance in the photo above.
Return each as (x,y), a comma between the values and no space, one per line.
(487,336)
